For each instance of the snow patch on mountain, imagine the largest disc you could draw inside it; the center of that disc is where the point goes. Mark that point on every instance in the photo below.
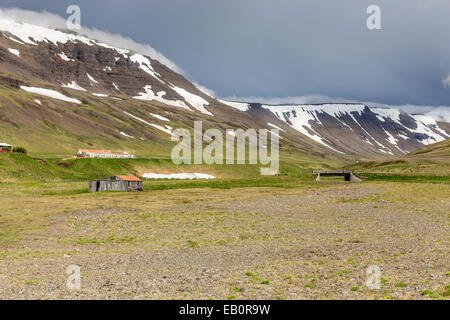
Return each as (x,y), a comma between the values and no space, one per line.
(386,152)
(194,100)
(25,32)
(64,57)
(145,64)
(157,116)
(383,113)
(274,133)
(300,117)
(354,117)
(137,118)
(31,34)
(166,129)
(126,135)
(73,85)
(12,39)
(237,105)
(424,125)
(391,138)
(14,52)
(91,78)
(50,93)
(364,130)
(49,21)
(149,95)
(276,127)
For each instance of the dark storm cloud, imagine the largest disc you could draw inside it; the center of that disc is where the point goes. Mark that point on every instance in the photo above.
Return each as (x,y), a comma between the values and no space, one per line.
(287,48)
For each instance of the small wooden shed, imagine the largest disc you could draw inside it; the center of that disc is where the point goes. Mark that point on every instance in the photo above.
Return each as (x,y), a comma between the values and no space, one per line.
(116,183)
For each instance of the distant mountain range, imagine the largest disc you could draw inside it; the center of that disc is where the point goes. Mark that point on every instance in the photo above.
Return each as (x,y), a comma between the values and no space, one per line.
(61,91)
(354,128)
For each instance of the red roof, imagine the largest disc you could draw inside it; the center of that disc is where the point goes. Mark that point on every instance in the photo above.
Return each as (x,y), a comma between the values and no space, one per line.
(129,178)
(94,151)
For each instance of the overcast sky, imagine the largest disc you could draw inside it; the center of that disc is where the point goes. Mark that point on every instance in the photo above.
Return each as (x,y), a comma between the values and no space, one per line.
(284,49)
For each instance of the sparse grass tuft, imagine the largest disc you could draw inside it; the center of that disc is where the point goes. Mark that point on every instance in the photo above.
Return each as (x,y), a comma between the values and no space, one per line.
(192,244)
(446,291)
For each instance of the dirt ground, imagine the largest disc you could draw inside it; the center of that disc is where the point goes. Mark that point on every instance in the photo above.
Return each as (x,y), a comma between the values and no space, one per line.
(307,242)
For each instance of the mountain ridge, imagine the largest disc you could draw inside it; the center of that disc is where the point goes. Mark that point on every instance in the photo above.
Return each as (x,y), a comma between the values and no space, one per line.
(414,130)
(118,90)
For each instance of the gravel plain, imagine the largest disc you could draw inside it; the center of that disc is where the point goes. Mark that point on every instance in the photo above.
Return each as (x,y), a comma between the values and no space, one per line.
(248,243)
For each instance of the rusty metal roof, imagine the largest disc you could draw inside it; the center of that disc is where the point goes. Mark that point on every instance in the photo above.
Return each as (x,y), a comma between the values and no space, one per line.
(129,178)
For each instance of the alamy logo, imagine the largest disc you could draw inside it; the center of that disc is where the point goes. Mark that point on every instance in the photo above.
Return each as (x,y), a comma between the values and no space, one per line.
(74,20)
(374,20)
(74,280)
(374,278)
(235,147)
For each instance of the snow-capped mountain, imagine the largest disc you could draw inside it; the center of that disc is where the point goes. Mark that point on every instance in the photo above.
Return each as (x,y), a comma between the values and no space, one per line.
(84,64)
(356,128)
(60,91)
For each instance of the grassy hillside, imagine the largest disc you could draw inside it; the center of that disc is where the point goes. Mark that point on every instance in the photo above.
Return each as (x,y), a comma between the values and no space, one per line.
(54,128)
(436,151)
(20,167)
(59,129)
(432,160)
